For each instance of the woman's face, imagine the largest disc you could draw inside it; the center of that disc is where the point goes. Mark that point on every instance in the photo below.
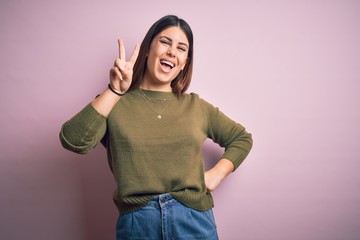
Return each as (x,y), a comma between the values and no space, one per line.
(167,56)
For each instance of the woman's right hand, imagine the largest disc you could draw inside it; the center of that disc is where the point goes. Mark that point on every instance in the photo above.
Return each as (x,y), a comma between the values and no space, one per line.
(122,71)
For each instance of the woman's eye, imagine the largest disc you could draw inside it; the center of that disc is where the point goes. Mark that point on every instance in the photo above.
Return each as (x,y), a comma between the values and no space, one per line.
(165,42)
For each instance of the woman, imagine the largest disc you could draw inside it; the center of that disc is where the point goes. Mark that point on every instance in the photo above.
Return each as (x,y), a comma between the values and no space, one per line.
(153,132)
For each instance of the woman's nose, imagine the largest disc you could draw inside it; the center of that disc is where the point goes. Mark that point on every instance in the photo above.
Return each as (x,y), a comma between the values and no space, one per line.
(171,51)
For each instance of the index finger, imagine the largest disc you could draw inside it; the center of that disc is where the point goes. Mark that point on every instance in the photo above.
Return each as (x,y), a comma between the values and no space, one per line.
(135,54)
(121,49)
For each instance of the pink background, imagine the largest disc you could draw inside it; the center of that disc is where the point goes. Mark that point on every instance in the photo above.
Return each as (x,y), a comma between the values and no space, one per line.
(287,70)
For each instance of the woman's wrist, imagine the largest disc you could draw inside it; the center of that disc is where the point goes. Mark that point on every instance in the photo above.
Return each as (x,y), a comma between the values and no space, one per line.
(223,168)
(104,102)
(114,91)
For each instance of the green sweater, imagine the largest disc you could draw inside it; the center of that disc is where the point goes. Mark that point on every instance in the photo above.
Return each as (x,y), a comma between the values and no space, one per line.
(150,156)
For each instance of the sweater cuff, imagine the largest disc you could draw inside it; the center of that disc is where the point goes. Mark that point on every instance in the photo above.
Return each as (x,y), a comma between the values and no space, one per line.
(79,134)
(234,157)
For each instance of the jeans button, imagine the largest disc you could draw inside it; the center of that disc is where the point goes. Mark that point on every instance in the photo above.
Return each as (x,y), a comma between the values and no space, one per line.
(162,200)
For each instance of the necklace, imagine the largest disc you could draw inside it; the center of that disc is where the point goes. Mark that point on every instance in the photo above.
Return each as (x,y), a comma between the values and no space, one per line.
(148,99)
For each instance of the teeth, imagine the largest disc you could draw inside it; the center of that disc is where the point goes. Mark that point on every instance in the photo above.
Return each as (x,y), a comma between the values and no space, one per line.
(168,63)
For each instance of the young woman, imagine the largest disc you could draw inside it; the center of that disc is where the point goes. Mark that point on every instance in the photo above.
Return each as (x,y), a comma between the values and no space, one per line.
(153,132)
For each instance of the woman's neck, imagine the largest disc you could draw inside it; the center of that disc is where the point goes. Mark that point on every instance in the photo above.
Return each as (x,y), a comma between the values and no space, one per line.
(149,82)
(155,87)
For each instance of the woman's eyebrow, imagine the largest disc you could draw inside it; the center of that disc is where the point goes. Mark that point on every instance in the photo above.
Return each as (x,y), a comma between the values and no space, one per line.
(169,39)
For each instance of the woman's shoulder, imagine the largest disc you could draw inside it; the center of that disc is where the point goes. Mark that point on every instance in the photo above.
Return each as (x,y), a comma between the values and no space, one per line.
(195,97)
(192,97)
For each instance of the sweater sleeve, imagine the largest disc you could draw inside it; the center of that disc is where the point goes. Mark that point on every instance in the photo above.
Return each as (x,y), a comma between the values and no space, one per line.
(83,131)
(228,134)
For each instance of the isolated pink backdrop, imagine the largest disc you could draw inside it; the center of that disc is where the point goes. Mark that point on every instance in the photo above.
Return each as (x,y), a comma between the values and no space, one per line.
(287,70)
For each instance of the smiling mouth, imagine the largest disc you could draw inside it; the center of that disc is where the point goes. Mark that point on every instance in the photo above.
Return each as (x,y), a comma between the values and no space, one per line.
(166,65)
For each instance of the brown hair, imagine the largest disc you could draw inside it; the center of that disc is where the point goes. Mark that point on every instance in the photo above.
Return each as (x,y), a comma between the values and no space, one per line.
(182,81)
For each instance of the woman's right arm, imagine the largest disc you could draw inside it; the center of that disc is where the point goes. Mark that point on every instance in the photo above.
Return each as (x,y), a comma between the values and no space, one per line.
(85,130)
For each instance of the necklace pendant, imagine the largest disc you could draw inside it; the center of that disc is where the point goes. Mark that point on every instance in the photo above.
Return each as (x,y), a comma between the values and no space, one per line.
(159,116)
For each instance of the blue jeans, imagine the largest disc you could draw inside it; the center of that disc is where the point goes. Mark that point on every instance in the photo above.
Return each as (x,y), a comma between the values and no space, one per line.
(164,218)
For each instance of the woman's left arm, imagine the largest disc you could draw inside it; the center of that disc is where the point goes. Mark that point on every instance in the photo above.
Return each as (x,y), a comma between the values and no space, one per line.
(230,135)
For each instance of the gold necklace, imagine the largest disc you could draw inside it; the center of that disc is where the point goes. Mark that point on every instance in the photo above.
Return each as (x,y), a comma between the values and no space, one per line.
(146,99)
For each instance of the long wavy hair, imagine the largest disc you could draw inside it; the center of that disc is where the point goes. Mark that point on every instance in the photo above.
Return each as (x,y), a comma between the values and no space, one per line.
(182,81)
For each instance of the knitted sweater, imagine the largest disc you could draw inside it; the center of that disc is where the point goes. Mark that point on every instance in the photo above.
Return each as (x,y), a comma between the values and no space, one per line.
(150,156)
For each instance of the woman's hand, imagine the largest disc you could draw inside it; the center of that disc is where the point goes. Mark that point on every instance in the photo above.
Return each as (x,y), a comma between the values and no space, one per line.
(122,71)
(212,180)
(215,175)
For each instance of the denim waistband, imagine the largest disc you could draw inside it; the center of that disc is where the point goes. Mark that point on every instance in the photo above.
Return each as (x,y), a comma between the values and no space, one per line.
(161,200)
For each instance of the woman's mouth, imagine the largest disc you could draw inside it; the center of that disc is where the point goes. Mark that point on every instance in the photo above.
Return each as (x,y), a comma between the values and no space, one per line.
(166,66)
